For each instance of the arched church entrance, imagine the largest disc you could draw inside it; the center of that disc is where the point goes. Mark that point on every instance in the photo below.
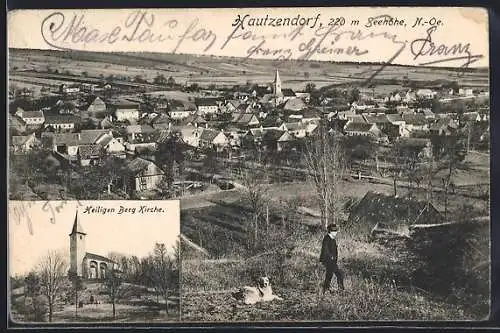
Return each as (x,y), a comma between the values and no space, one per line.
(93,270)
(103,268)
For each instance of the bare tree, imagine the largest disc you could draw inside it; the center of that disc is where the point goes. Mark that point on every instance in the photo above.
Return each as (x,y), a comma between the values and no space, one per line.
(255,192)
(113,286)
(162,271)
(52,270)
(77,287)
(325,162)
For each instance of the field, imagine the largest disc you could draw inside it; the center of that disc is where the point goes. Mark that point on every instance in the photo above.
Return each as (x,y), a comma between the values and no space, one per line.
(226,71)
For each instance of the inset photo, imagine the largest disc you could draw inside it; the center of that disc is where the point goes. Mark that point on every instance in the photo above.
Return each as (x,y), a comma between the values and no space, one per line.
(94,261)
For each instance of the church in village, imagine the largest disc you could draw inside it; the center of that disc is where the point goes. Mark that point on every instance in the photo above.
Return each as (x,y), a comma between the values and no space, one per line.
(86,265)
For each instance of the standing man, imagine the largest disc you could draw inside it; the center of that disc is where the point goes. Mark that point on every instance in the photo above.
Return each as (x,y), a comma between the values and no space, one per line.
(329,256)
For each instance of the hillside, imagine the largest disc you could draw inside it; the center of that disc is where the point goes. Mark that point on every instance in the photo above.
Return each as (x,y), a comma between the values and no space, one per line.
(229,70)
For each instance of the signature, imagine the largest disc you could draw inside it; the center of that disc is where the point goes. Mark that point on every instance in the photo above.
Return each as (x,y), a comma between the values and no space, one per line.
(139,27)
(427,47)
(20,211)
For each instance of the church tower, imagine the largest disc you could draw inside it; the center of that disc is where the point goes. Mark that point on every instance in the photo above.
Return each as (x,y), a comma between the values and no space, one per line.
(77,246)
(277,84)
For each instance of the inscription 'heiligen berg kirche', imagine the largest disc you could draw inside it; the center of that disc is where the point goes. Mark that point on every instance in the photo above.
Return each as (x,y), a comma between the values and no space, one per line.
(86,265)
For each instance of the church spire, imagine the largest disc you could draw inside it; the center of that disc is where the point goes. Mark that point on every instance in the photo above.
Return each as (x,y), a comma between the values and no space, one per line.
(77,227)
(277,83)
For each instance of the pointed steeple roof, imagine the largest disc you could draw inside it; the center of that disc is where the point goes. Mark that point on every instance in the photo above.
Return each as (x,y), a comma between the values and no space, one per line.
(277,79)
(77,227)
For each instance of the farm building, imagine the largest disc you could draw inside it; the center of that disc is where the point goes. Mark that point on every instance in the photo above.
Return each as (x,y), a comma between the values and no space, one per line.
(31,118)
(61,122)
(144,175)
(376,209)
(24,143)
(126,111)
(207,105)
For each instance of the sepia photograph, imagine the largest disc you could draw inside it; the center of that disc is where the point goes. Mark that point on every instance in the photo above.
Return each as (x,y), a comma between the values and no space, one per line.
(94,261)
(332,165)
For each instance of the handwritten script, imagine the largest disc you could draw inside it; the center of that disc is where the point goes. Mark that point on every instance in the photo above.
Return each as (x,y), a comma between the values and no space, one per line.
(20,211)
(299,38)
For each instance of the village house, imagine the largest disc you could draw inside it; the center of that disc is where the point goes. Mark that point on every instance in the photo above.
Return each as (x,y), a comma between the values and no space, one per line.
(245,119)
(207,105)
(95,104)
(305,96)
(179,113)
(61,122)
(126,111)
(425,94)
(356,118)
(422,145)
(210,138)
(31,118)
(444,126)
(466,92)
(310,115)
(395,213)
(297,129)
(415,121)
(361,129)
(428,114)
(141,141)
(360,106)
(190,135)
(234,135)
(111,145)
(293,104)
(396,119)
(143,175)
(270,137)
(69,88)
(396,130)
(89,154)
(16,124)
(66,144)
(379,119)
(24,143)
(472,116)
(232,105)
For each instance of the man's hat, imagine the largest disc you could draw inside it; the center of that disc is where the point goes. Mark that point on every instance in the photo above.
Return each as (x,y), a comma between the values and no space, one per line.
(332,227)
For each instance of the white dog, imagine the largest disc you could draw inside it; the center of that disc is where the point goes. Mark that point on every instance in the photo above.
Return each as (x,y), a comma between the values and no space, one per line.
(262,293)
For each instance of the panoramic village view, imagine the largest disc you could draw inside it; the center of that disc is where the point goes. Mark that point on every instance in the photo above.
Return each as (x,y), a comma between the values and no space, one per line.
(264,156)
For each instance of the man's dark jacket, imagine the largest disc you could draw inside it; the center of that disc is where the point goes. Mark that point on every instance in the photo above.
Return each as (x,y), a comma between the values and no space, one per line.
(329,252)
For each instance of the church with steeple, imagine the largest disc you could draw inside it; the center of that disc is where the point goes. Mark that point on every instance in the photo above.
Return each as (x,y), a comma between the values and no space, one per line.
(85,264)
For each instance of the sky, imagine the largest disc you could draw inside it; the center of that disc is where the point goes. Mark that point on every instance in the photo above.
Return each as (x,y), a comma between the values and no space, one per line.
(51,224)
(211,32)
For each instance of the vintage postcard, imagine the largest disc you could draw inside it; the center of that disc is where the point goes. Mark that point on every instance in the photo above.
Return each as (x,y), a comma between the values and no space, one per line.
(330,163)
(94,261)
